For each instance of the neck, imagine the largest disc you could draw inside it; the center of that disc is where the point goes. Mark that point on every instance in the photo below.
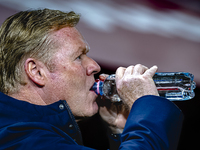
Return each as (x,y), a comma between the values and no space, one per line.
(29,95)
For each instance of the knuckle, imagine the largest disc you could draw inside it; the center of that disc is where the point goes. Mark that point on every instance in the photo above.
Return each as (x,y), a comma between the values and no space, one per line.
(131,66)
(139,65)
(120,69)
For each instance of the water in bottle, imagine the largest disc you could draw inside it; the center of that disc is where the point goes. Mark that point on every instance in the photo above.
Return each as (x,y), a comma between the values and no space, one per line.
(175,86)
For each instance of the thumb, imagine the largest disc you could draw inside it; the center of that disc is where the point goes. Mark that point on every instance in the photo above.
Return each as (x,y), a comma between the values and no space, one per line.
(102,77)
(151,71)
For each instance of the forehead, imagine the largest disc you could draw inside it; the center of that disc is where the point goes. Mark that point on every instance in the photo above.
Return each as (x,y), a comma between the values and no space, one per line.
(70,43)
(69,36)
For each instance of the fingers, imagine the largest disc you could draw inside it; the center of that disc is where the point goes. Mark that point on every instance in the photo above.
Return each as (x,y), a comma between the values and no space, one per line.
(119,73)
(139,69)
(135,70)
(132,70)
(103,76)
(129,71)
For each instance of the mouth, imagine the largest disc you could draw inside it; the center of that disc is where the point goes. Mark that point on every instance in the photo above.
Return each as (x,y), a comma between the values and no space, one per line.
(93,88)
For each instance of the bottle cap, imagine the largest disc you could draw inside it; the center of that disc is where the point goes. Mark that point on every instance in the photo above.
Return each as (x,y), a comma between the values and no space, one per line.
(98,87)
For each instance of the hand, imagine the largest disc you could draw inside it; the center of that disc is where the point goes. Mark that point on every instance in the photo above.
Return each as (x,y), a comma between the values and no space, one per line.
(135,82)
(132,83)
(114,114)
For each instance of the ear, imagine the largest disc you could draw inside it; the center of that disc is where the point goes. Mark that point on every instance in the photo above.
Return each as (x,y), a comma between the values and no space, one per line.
(35,70)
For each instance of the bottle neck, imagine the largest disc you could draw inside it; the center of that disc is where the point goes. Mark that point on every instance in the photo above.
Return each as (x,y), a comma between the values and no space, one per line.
(98,87)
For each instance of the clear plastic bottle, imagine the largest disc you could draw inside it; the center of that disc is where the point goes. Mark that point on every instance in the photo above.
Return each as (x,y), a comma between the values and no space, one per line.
(175,86)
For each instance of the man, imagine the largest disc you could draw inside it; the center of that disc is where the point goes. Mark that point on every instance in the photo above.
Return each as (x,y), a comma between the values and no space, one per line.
(45,80)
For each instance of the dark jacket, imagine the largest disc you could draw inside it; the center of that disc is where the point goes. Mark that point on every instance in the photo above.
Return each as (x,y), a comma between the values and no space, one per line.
(154,123)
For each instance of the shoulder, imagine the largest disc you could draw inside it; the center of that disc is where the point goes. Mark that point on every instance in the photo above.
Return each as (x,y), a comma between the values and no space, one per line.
(33,135)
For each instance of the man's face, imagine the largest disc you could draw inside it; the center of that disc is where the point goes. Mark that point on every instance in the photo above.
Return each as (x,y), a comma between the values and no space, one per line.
(73,73)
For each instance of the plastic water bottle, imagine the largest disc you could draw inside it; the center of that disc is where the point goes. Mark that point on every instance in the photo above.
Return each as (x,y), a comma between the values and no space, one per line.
(175,86)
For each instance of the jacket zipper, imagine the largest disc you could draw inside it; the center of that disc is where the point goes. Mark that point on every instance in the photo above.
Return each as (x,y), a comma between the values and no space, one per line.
(74,122)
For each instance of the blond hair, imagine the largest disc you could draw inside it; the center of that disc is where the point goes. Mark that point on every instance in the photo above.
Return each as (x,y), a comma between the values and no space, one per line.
(27,34)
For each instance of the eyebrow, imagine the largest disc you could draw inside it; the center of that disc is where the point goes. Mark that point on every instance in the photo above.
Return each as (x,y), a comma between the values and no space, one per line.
(82,50)
(86,49)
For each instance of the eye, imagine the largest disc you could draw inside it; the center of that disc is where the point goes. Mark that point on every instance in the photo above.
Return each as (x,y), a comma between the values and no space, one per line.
(79,57)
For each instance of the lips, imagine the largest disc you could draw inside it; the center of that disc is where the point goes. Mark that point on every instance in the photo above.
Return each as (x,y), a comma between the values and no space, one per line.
(92,87)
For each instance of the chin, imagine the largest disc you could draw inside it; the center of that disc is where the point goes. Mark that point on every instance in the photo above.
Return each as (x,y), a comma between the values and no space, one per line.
(95,105)
(93,110)
(96,108)
(92,107)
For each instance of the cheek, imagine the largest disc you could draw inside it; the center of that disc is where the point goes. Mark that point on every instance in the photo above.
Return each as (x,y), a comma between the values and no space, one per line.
(71,72)
(75,81)
(70,80)
(74,68)
(77,75)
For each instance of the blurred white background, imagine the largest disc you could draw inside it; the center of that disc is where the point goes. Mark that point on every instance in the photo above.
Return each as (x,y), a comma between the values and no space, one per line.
(123,33)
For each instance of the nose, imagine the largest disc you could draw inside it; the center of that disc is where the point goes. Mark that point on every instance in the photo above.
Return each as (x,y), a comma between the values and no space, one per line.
(93,67)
